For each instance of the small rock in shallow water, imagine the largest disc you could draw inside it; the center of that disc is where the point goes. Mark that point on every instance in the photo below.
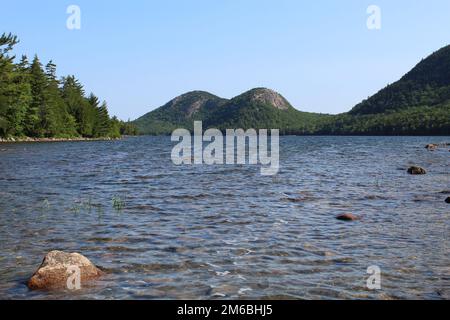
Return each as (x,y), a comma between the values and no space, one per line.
(347,217)
(447,200)
(58,266)
(431,146)
(416,170)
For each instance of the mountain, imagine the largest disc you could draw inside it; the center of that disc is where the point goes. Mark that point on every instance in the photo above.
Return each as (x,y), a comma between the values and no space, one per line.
(427,84)
(258,108)
(180,112)
(417,104)
(262,108)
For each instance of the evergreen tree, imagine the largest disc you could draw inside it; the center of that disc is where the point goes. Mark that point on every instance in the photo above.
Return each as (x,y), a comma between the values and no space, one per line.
(115,127)
(60,122)
(7,42)
(15,93)
(102,124)
(37,117)
(128,129)
(21,98)
(78,106)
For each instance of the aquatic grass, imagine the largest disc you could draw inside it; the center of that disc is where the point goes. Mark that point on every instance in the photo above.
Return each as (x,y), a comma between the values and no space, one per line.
(44,207)
(75,209)
(118,203)
(84,205)
(100,212)
(87,205)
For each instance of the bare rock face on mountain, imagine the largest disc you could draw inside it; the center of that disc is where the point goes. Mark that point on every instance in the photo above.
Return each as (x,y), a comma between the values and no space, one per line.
(58,267)
(268,97)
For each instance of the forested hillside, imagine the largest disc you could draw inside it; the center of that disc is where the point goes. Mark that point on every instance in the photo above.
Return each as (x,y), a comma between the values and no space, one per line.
(417,104)
(35,103)
(427,84)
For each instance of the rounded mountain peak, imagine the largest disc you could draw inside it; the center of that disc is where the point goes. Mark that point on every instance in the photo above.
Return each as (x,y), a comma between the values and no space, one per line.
(192,102)
(267,97)
(192,96)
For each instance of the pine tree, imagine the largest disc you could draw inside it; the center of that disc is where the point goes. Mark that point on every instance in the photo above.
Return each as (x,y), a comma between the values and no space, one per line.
(7,42)
(78,106)
(15,92)
(6,87)
(102,124)
(36,121)
(115,127)
(21,97)
(60,123)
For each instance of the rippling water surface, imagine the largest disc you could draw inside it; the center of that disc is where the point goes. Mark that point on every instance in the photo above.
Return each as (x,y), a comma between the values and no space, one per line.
(201,232)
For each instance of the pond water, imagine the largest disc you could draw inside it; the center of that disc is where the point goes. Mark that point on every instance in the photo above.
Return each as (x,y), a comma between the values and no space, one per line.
(162,231)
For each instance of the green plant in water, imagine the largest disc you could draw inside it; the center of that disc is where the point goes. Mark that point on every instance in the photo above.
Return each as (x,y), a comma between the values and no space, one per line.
(76,209)
(45,206)
(88,204)
(118,203)
(99,212)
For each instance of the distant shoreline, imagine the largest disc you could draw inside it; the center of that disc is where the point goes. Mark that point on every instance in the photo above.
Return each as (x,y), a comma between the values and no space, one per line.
(41,140)
(15,140)
(327,135)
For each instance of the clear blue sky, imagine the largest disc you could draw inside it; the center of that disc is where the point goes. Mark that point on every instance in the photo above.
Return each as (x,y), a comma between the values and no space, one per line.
(320,55)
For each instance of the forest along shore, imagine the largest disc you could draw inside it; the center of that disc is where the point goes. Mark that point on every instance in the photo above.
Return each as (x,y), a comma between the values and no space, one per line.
(78,139)
(35,103)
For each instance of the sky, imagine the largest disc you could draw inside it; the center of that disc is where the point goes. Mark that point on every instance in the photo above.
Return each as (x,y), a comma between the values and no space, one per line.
(139,54)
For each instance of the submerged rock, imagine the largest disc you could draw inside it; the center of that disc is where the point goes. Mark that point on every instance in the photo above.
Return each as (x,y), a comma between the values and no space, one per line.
(416,170)
(58,267)
(434,146)
(447,200)
(348,217)
(431,147)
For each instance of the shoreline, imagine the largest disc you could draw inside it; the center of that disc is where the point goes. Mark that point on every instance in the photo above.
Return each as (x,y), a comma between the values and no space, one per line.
(42,140)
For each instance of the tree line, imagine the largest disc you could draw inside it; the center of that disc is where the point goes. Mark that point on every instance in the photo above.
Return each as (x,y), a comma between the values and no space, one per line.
(35,103)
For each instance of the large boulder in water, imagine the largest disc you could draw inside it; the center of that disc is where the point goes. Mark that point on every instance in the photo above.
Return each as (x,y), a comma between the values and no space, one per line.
(447,200)
(416,170)
(58,267)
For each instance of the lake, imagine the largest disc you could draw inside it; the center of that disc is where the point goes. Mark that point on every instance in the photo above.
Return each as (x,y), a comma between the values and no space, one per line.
(162,231)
